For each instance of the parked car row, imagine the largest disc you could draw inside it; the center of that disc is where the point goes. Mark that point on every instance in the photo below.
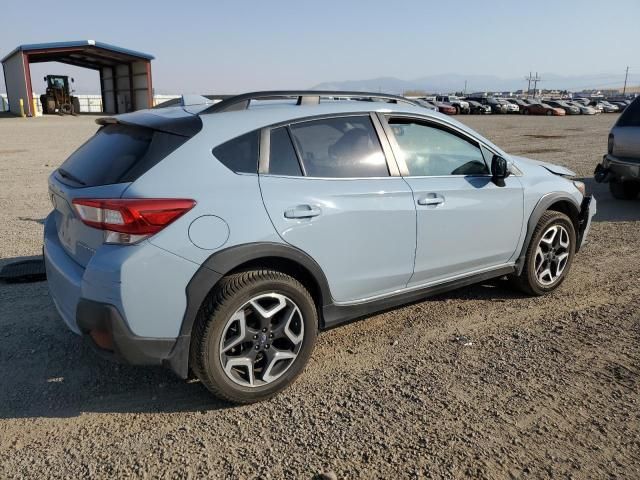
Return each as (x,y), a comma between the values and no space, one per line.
(482,105)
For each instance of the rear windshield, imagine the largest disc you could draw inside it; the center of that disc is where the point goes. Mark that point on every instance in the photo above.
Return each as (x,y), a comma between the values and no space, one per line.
(631,115)
(117,154)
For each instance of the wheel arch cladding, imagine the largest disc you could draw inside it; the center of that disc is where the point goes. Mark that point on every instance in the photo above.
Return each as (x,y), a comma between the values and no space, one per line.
(569,209)
(280,257)
(556,201)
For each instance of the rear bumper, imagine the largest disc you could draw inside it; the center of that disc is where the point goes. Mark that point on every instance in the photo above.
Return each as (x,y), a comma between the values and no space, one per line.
(64,277)
(101,318)
(617,169)
(109,298)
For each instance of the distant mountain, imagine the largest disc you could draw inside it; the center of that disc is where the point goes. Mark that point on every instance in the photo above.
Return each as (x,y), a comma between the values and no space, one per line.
(451,82)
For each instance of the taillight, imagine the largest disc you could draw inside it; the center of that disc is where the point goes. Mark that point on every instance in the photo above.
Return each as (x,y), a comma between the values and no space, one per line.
(610,144)
(127,221)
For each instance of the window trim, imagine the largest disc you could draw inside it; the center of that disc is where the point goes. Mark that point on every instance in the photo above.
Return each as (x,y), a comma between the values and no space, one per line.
(404,170)
(296,150)
(265,152)
(387,151)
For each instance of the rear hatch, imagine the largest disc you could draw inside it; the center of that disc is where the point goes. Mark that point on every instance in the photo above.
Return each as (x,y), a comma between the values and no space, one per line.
(104,166)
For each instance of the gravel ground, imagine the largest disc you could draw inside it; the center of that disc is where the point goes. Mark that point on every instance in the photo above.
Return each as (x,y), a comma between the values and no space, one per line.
(531,388)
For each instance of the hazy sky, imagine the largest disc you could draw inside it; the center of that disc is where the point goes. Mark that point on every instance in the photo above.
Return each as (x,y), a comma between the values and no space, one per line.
(231,46)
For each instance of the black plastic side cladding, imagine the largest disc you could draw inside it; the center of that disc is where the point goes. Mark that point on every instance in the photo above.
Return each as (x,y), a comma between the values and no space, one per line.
(543,205)
(335,315)
(218,265)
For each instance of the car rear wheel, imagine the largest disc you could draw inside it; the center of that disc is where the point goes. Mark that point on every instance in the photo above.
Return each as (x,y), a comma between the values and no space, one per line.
(549,255)
(549,113)
(253,336)
(624,190)
(526,112)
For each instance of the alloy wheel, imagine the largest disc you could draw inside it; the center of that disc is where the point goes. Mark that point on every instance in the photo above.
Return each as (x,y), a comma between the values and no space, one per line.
(261,340)
(552,255)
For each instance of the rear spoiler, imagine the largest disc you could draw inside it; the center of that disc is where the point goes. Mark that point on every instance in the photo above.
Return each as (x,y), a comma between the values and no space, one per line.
(186,125)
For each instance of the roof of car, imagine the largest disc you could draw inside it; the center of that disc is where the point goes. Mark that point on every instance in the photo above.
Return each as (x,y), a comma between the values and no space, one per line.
(269,113)
(260,114)
(236,123)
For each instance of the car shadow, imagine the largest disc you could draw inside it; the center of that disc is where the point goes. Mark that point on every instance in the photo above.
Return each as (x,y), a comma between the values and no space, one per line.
(610,209)
(496,290)
(47,371)
(65,378)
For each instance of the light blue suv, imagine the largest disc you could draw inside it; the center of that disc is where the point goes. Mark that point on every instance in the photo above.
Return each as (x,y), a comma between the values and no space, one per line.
(220,236)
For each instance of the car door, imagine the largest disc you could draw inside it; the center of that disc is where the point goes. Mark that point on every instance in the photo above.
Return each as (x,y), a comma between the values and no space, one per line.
(466,223)
(331,191)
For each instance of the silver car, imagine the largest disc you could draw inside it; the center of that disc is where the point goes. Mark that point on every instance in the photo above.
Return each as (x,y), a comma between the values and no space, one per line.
(621,165)
(219,238)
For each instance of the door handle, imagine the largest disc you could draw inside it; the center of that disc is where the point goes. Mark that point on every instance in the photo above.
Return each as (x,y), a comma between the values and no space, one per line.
(302,211)
(431,199)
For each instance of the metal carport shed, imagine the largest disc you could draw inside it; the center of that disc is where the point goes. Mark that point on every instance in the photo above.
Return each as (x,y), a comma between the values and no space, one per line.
(125,75)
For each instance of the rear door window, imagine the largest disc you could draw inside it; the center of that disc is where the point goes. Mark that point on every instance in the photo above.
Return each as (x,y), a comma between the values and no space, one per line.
(345,147)
(117,154)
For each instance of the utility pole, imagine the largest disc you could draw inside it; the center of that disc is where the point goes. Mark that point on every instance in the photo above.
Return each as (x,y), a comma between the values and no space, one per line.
(535,80)
(626,75)
(465,88)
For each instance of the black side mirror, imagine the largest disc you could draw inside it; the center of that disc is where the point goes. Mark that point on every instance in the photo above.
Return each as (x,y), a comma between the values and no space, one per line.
(499,170)
(45,78)
(72,80)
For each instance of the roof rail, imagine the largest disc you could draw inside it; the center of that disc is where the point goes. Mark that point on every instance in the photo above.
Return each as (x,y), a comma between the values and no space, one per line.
(304,97)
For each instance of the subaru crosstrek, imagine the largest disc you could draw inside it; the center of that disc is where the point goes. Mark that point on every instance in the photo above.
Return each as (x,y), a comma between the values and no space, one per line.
(219,237)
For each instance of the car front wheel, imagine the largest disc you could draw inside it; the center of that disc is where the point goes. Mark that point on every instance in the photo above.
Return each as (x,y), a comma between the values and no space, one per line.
(549,255)
(253,336)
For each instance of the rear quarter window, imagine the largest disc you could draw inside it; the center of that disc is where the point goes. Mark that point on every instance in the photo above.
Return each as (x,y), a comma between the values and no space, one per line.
(241,153)
(119,153)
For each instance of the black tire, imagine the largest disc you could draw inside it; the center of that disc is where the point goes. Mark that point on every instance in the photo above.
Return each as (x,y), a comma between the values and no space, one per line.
(624,190)
(43,102)
(528,281)
(457,110)
(231,294)
(526,111)
(549,113)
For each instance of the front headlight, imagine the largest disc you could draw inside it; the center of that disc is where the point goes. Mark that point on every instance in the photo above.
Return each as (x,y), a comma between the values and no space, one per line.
(581,187)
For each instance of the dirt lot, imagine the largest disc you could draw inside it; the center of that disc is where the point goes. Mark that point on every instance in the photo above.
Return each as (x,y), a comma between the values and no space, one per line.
(549,386)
